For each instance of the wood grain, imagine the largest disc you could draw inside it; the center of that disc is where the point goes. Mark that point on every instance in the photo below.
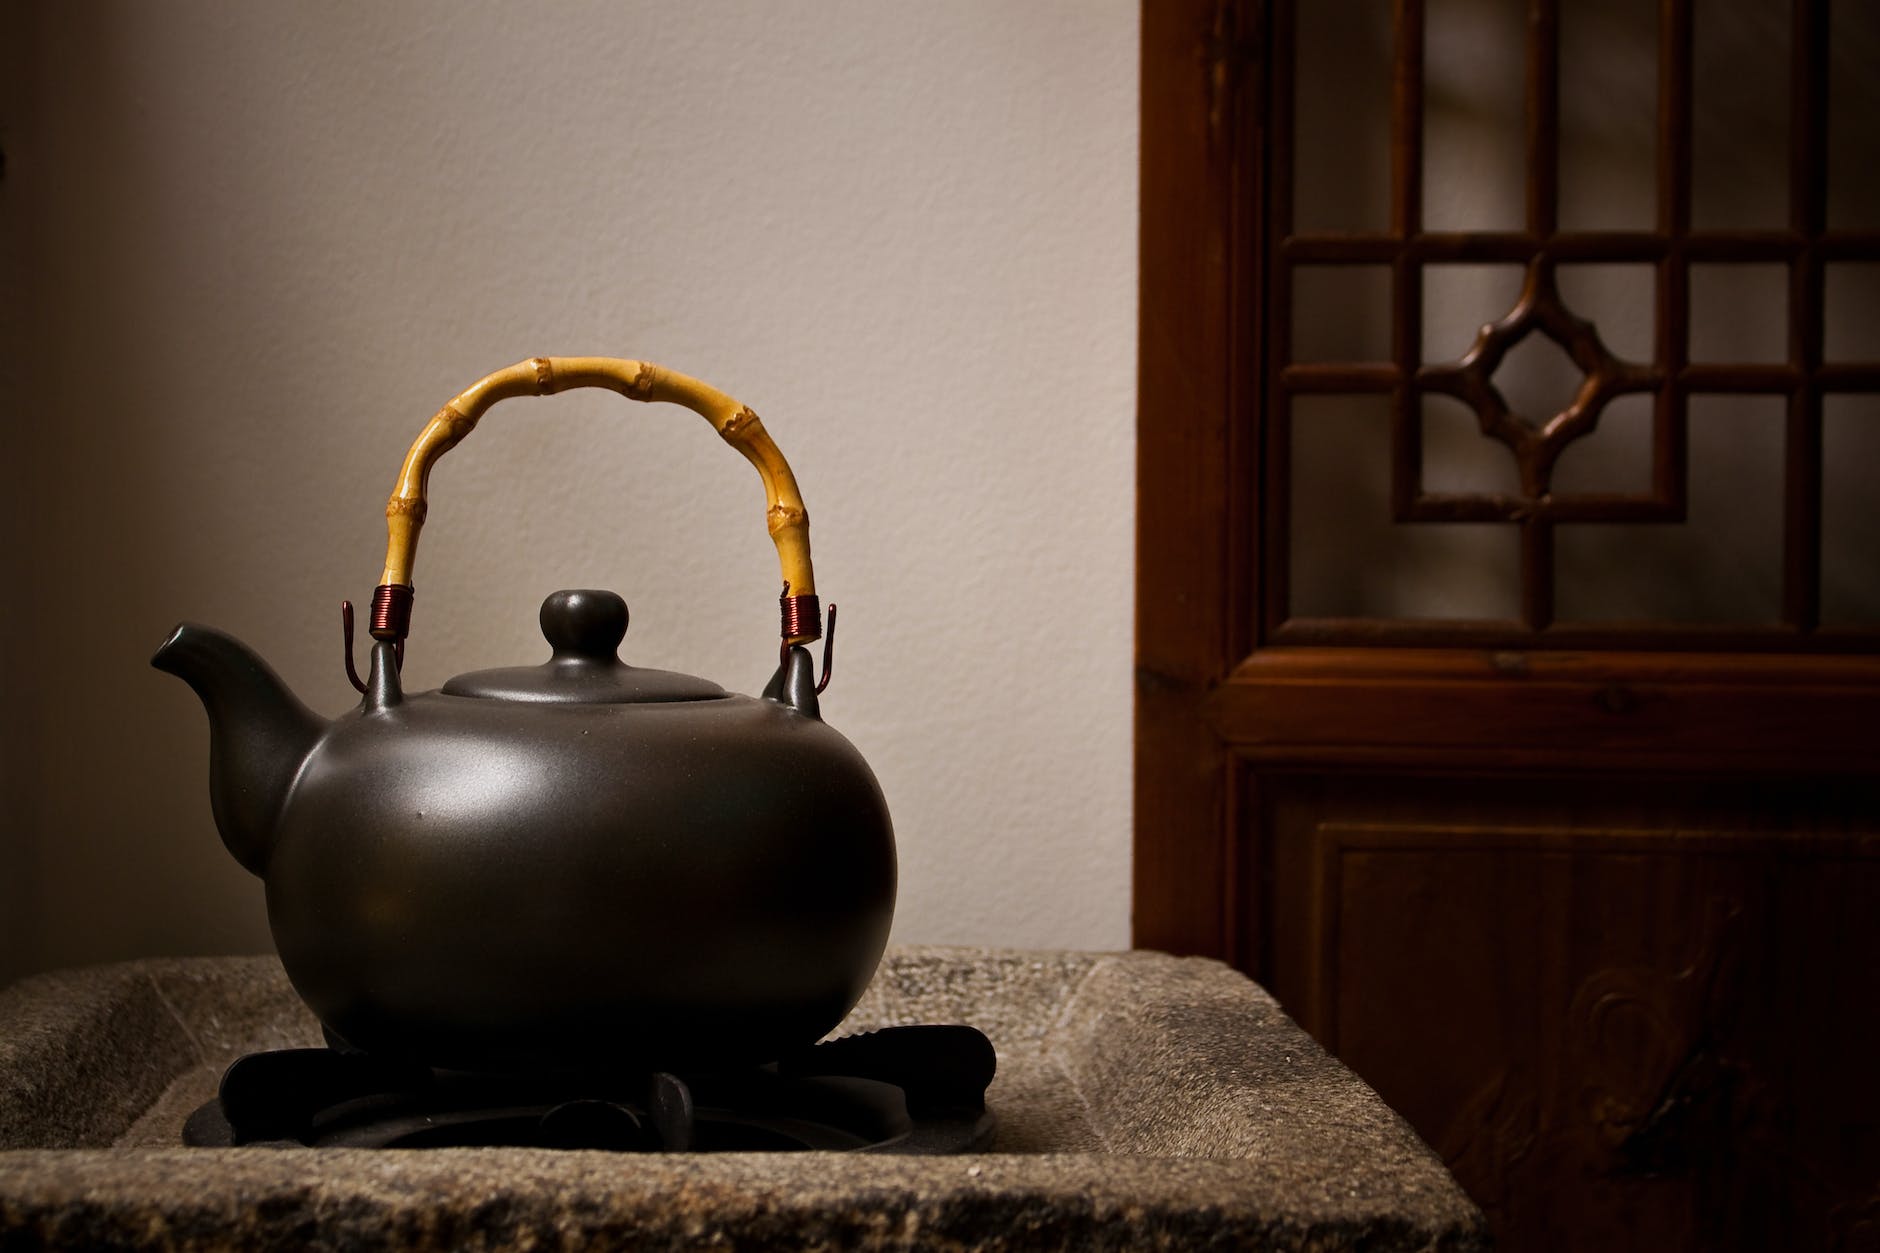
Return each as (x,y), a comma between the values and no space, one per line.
(1592,905)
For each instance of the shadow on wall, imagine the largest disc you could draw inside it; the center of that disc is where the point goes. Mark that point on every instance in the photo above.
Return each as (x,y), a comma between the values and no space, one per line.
(267,243)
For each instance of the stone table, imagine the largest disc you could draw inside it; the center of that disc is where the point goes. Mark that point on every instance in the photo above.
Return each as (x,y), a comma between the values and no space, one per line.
(1145,1101)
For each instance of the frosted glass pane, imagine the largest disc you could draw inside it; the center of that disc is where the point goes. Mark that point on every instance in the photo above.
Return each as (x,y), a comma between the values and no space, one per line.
(1475,154)
(1616,457)
(1850,511)
(1341,94)
(1350,560)
(1459,299)
(1341,313)
(1608,115)
(1537,379)
(1740,115)
(1723,565)
(1457,457)
(1851,312)
(1739,313)
(1618,300)
(1853,114)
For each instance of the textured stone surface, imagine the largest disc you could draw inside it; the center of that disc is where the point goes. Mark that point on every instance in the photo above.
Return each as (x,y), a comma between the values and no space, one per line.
(1145,1102)
(81,1053)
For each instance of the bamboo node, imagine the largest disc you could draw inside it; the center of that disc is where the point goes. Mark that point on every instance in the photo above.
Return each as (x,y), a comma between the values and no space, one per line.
(740,425)
(641,388)
(544,375)
(456,425)
(400,506)
(783,517)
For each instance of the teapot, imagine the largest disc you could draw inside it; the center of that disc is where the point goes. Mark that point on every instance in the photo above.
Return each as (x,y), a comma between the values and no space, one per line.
(571,866)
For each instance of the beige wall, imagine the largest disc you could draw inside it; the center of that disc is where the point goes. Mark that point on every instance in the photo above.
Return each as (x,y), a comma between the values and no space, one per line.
(261,244)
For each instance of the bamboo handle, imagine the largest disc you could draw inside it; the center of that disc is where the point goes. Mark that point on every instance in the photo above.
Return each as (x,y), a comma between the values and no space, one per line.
(637,380)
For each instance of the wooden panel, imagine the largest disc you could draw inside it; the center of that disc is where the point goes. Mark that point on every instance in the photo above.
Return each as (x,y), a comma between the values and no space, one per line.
(1618,1036)
(1193,154)
(1481,377)
(1562,710)
(1594,903)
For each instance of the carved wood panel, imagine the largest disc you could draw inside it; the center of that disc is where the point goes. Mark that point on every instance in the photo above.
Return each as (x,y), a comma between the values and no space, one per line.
(1617,1036)
(1592,901)
(1800,253)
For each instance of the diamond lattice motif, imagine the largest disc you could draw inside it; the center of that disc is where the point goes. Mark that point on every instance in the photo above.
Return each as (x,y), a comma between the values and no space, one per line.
(1538,380)
(1524,342)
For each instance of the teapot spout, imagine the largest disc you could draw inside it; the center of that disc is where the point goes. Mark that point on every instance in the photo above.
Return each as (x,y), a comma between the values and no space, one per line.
(259,734)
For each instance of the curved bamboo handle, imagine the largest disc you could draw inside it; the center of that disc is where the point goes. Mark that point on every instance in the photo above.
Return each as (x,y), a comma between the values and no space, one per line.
(637,380)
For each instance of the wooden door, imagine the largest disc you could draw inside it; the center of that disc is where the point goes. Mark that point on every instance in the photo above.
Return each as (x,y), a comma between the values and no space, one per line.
(1508,658)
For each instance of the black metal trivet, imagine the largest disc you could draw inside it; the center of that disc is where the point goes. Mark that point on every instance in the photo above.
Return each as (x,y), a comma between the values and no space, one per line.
(917,1089)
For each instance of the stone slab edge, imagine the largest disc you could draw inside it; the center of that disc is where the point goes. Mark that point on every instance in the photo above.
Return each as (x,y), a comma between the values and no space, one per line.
(1383,1190)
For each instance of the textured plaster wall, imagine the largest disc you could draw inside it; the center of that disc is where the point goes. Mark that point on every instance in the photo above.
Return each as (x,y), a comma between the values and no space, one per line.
(250,249)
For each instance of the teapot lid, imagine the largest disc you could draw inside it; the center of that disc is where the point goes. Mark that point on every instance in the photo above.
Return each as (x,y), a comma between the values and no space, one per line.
(584,628)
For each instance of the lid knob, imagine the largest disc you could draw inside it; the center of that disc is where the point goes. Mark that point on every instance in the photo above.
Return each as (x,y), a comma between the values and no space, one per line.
(584,625)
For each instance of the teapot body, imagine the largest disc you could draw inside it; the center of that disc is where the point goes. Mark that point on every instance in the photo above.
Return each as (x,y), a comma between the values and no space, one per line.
(577,865)
(496,885)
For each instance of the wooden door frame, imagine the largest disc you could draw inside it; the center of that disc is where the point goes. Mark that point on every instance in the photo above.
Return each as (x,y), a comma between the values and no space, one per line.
(1214,702)
(1193,157)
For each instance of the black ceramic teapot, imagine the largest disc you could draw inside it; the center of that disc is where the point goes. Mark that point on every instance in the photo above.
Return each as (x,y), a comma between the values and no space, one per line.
(569,866)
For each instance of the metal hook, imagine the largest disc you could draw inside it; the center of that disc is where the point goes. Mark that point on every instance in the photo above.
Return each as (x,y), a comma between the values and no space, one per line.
(829,646)
(346,630)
